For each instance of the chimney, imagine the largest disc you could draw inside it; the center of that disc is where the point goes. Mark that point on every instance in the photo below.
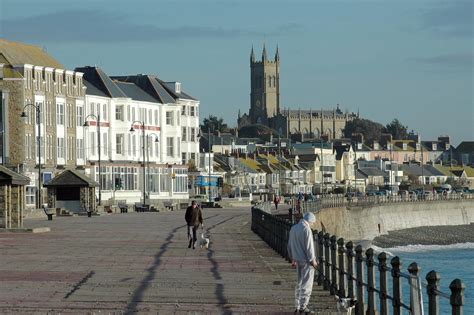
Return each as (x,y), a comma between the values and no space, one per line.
(386,138)
(357,137)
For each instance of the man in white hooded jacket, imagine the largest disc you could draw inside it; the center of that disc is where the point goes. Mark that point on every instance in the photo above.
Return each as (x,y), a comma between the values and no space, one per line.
(302,254)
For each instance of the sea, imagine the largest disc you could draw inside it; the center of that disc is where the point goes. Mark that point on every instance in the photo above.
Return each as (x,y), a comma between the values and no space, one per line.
(450,261)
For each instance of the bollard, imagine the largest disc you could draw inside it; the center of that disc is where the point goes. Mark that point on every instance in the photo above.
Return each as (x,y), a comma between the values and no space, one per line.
(360,280)
(333,289)
(342,276)
(415,288)
(350,270)
(433,279)
(397,286)
(457,296)
(383,283)
(371,306)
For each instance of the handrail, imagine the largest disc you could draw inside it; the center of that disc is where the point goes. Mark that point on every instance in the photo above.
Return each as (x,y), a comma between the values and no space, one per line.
(351,272)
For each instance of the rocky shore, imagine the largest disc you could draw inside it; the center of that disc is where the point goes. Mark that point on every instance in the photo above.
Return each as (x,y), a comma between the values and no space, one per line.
(427,235)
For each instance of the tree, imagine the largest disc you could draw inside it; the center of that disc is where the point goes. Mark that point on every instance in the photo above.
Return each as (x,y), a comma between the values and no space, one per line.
(370,129)
(397,130)
(215,124)
(257,131)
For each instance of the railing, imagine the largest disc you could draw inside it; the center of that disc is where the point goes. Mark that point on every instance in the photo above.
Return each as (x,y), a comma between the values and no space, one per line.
(341,201)
(351,272)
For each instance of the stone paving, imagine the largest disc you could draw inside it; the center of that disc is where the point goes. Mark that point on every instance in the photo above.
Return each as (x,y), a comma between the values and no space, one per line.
(140,263)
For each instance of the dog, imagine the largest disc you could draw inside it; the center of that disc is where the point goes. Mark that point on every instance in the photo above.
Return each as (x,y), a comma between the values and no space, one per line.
(204,242)
(346,305)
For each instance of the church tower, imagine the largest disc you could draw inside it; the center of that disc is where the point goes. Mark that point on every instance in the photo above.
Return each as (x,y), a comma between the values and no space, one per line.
(264,87)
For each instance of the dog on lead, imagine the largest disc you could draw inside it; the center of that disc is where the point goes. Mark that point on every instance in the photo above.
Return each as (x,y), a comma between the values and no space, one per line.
(346,305)
(204,242)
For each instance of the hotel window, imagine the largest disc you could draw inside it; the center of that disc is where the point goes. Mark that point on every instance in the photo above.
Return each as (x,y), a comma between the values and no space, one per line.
(134,145)
(80,116)
(119,112)
(193,134)
(60,148)
(156,118)
(30,195)
(128,113)
(104,112)
(183,158)
(185,138)
(157,147)
(193,157)
(193,109)
(180,180)
(150,117)
(92,143)
(80,148)
(133,114)
(60,114)
(98,110)
(105,143)
(91,108)
(183,110)
(129,144)
(169,146)
(119,143)
(169,118)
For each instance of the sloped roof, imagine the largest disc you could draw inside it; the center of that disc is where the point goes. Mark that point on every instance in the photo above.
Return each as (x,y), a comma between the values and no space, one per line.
(181,95)
(465,147)
(71,178)
(415,169)
(371,171)
(134,92)
(150,85)
(10,177)
(92,90)
(98,78)
(449,170)
(19,54)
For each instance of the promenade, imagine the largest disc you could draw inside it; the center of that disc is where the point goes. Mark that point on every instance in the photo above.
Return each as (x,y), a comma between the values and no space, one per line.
(140,263)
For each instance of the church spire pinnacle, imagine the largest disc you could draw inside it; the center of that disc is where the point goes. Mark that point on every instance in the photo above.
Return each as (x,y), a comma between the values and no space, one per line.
(264,53)
(252,56)
(277,55)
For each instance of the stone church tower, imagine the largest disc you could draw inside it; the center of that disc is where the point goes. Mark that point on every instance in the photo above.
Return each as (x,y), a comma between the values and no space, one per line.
(264,87)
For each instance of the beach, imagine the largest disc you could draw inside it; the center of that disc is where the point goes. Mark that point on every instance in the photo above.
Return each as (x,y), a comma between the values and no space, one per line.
(427,235)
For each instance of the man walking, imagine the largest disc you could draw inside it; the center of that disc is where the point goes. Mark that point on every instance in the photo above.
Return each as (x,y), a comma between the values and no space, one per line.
(193,218)
(302,254)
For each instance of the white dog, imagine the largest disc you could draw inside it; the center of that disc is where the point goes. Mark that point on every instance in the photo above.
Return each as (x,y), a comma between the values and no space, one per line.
(204,242)
(345,304)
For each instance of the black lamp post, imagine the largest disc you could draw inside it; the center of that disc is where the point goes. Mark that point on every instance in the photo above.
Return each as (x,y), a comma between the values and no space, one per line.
(38,115)
(132,129)
(86,124)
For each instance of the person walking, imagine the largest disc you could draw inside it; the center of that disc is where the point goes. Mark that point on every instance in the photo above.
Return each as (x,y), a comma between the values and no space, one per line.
(302,254)
(193,218)
(276,201)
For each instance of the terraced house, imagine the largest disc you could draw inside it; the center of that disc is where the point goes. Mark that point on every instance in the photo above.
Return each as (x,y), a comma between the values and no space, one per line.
(141,130)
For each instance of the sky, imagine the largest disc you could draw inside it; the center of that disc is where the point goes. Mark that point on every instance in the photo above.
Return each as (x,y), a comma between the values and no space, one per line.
(405,59)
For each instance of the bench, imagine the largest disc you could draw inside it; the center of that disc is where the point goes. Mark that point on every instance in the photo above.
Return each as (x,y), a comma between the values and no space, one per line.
(168,205)
(49,213)
(122,205)
(139,207)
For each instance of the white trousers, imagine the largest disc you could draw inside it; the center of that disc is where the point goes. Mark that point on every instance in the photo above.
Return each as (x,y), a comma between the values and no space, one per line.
(304,284)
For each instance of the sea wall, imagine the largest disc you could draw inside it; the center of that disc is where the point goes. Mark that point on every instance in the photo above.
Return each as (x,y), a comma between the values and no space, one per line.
(366,223)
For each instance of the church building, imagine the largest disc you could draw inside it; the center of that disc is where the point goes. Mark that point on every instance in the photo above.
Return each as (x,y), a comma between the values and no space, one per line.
(265,106)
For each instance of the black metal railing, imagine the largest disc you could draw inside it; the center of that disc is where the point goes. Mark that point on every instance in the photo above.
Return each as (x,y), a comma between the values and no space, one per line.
(351,272)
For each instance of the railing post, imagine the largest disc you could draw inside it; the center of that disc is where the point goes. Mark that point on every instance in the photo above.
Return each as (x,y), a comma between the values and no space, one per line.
(433,285)
(360,280)
(415,289)
(397,286)
(322,259)
(350,269)
(457,297)
(371,307)
(327,273)
(342,269)
(383,283)
(333,265)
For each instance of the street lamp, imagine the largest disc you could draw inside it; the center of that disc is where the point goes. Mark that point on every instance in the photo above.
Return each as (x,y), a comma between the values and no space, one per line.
(38,115)
(150,135)
(86,124)
(132,129)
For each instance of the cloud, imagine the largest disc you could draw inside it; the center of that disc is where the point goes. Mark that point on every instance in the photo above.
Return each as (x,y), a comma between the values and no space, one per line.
(454,18)
(456,60)
(99,26)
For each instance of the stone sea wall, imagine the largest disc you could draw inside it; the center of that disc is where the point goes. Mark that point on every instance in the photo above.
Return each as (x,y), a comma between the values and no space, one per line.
(366,223)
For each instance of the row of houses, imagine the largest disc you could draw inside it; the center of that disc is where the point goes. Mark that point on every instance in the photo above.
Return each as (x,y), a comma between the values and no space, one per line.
(141,131)
(280,166)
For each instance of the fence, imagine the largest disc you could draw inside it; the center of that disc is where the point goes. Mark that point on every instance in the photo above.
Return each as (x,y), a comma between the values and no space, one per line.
(351,272)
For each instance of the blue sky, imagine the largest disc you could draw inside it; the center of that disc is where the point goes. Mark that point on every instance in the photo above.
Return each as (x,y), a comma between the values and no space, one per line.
(405,59)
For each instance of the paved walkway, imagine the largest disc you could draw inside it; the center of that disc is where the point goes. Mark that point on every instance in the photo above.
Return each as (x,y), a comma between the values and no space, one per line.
(139,262)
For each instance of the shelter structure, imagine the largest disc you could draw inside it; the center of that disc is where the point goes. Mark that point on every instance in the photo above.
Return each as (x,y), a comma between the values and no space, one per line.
(73,191)
(12,198)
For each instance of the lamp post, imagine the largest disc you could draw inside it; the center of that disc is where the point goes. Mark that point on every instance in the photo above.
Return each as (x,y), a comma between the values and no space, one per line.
(322,167)
(38,115)
(132,129)
(150,135)
(86,124)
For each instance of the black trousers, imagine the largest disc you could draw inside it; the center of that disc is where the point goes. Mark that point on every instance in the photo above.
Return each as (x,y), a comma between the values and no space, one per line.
(192,232)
